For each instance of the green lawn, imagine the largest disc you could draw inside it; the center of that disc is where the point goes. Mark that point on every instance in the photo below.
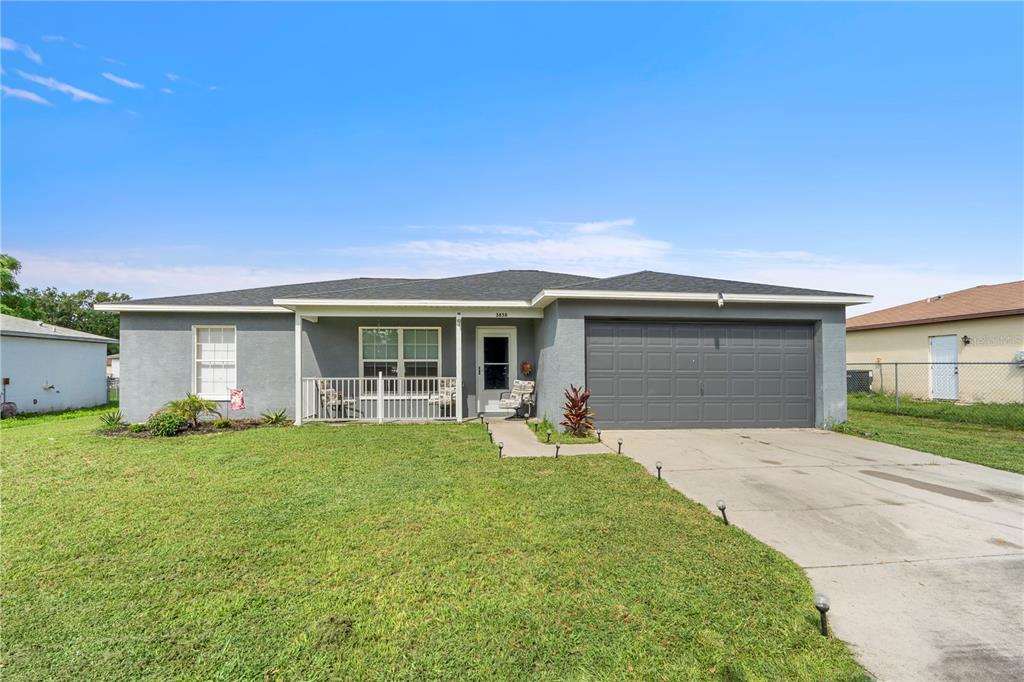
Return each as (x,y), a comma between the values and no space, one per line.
(994,414)
(995,446)
(378,552)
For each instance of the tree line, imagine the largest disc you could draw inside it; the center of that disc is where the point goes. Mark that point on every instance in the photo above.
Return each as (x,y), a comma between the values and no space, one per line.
(73,310)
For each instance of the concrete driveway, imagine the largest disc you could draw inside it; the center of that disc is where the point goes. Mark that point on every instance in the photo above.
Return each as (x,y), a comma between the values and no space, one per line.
(922,557)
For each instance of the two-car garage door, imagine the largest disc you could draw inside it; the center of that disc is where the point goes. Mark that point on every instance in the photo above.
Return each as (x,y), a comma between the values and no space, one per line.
(672,375)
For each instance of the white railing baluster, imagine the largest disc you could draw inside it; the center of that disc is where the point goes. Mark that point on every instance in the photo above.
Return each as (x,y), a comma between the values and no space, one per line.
(380,399)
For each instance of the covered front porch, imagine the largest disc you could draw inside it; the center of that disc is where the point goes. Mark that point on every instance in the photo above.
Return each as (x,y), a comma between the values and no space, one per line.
(355,363)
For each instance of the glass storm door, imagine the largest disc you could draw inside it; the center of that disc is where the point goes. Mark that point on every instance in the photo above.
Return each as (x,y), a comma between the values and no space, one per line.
(496,365)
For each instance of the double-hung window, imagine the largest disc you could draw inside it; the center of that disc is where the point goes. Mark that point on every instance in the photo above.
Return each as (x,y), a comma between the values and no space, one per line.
(400,352)
(214,371)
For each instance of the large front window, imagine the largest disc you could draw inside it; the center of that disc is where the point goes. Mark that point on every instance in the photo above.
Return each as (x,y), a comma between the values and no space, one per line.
(215,362)
(407,352)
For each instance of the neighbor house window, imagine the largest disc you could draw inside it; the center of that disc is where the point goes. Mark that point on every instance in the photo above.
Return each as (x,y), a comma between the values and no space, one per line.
(401,352)
(215,371)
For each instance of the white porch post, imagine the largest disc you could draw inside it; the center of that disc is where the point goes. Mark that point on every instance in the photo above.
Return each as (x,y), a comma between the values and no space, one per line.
(458,367)
(298,369)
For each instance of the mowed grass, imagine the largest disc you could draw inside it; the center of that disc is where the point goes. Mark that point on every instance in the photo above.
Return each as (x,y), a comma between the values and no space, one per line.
(1010,415)
(378,552)
(998,447)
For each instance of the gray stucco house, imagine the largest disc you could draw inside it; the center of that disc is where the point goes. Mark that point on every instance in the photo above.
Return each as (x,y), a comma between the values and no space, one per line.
(658,350)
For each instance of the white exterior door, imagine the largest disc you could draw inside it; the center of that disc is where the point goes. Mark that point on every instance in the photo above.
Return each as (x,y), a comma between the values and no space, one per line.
(495,365)
(945,384)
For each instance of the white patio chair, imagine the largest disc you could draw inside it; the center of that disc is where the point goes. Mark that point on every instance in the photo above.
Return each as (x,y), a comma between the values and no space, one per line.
(331,403)
(445,396)
(520,398)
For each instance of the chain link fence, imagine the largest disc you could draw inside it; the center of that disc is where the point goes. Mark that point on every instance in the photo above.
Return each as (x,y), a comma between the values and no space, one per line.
(973,392)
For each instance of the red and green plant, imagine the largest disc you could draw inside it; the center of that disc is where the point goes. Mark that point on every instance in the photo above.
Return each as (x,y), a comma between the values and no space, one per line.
(576,411)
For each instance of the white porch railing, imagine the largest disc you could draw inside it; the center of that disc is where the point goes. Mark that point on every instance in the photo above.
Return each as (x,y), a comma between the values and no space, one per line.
(379,399)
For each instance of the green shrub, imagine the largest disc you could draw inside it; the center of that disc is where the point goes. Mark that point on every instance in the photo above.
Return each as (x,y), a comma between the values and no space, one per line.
(112,421)
(222,423)
(278,418)
(137,428)
(191,408)
(166,424)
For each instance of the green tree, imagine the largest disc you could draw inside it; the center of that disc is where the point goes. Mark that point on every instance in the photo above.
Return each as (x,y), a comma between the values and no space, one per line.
(10,299)
(73,310)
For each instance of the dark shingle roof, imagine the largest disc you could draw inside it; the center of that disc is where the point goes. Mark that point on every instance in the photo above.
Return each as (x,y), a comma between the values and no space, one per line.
(266,295)
(505,285)
(651,281)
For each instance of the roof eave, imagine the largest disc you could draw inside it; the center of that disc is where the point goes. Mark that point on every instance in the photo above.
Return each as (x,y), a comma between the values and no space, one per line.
(547,296)
(933,320)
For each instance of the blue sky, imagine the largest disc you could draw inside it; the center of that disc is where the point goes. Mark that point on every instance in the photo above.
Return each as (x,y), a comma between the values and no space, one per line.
(171,148)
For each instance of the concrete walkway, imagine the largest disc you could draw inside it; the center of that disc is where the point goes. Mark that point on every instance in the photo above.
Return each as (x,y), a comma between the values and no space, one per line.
(520,441)
(922,556)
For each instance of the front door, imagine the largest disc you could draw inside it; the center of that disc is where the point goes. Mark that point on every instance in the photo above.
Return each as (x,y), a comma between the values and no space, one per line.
(495,365)
(945,379)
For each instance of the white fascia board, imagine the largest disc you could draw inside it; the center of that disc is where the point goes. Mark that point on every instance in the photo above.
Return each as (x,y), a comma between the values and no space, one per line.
(395,303)
(485,312)
(546,296)
(157,308)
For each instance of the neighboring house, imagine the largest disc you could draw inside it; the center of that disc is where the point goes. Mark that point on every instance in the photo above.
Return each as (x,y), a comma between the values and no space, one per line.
(114,366)
(984,324)
(47,368)
(658,350)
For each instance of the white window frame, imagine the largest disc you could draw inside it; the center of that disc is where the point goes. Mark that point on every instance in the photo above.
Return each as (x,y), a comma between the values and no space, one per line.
(401,350)
(195,360)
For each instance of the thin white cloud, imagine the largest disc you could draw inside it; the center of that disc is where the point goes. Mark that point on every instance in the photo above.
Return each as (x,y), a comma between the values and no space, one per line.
(111,60)
(511,230)
(167,91)
(173,77)
(53,39)
(213,87)
(76,94)
(123,82)
(24,94)
(603,225)
(14,46)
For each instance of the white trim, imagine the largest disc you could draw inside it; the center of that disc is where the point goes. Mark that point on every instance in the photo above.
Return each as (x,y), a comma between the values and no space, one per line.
(341,307)
(156,308)
(493,313)
(398,302)
(546,296)
(513,358)
(298,369)
(458,367)
(216,398)
(401,350)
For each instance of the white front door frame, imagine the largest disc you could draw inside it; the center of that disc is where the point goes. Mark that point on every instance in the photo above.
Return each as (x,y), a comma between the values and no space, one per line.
(490,397)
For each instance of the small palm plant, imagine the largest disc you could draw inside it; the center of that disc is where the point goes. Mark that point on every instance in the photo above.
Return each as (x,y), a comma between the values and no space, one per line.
(275,418)
(191,408)
(112,421)
(576,411)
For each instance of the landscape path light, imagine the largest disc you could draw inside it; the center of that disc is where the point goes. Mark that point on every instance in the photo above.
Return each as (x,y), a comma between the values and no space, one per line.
(501,446)
(599,435)
(657,465)
(822,604)
(557,446)
(549,436)
(721,507)
(620,446)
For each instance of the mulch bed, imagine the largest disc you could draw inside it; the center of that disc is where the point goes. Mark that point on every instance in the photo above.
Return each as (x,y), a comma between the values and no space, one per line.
(203,428)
